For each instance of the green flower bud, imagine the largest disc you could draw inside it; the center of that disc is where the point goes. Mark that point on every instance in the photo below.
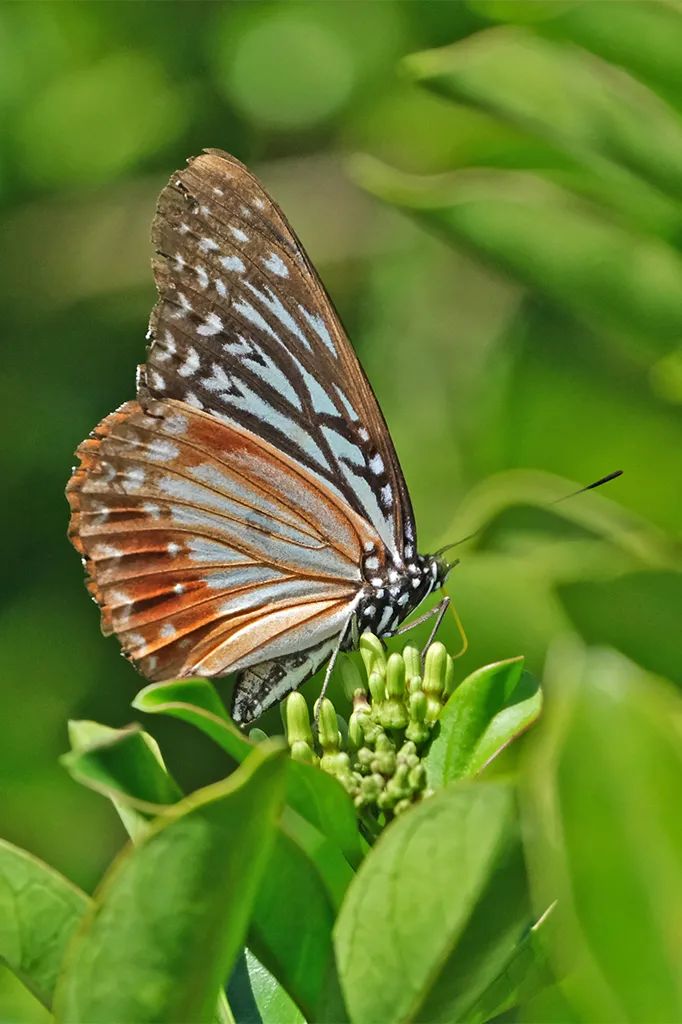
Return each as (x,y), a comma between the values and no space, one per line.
(351,677)
(384,744)
(360,702)
(371,788)
(392,714)
(257,735)
(336,764)
(384,760)
(402,806)
(370,728)
(364,758)
(413,661)
(372,653)
(434,679)
(385,801)
(302,751)
(449,684)
(377,688)
(297,719)
(328,730)
(434,670)
(417,730)
(343,731)
(398,786)
(395,677)
(407,752)
(356,734)
(417,706)
(414,683)
(417,778)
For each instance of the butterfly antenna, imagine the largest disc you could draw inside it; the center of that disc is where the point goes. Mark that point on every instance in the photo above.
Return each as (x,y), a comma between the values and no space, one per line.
(581,490)
(590,487)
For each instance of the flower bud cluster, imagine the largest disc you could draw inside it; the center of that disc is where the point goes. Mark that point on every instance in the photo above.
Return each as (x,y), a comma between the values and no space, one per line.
(377,755)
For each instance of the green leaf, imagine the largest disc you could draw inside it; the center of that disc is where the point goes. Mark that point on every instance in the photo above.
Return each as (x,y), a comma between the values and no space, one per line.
(436,910)
(258,998)
(297,903)
(637,612)
(315,795)
(124,765)
(602,800)
(617,281)
(196,701)
(615,32)
(323,801)
(170,916)
(489,709)
(523,976)
(562,94)
(306,879)
(39,913)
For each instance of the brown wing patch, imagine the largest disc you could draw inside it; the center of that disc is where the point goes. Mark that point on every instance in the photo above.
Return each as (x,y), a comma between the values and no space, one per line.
(205,548)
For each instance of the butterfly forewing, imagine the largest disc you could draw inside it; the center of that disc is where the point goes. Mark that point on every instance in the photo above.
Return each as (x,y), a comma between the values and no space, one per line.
(244,329)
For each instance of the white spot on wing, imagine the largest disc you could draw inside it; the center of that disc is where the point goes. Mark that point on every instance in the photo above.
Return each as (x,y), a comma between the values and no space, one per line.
(135,475)
(167,631)
(276,264)
(386,617)
(176,423)
(211,325)
(191,363)
(342,447)
(164,451)
(106,551)
(219,381)
(347,406)
(320,399)
(208,245)
(233,263)
(273,304)
(320,328)
(376,464)
(240,235)
(152,509)
(184,304)
(202,276)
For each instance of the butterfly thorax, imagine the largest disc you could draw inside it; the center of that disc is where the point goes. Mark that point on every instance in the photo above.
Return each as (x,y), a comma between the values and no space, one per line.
(390,594)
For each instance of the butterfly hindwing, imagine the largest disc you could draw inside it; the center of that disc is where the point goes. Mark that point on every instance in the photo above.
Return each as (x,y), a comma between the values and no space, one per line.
(208,550)
(244,329)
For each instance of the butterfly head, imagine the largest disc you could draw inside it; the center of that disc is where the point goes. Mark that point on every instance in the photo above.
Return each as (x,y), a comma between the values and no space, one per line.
(440,569)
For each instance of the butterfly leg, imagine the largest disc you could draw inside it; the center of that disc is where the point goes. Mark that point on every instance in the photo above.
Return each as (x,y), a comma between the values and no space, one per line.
(350,628)
(438,611)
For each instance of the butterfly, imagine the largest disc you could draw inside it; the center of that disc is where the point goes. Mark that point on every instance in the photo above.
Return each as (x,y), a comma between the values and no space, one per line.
(247,512)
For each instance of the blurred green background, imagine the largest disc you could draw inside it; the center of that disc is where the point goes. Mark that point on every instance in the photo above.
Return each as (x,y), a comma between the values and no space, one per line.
(499,224)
